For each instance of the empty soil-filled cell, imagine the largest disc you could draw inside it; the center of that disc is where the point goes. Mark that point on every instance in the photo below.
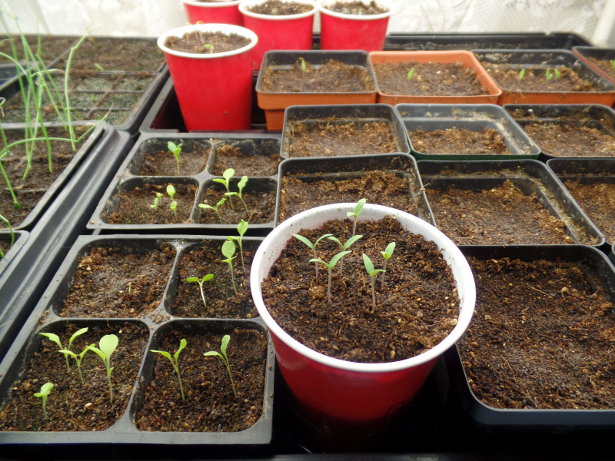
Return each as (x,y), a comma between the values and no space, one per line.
(542,335)
(507,213)
(120,100)
(458,141)
(252,164)
(597,199)
(571,139)
(126,280)
(163,162)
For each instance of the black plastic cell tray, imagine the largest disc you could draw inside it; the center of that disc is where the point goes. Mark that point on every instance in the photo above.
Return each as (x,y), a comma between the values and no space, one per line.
(21,237)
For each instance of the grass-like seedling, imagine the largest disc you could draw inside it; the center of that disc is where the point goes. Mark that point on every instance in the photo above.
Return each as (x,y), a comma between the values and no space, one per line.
(224,357)
(215,208)
(64,350)
(174,359)
(43,394)
(176,150)
(106,347)
(330,265)
(386,254)
(312,246)
(78,359)
(11,234)
(241,184)
(410,74)
(228,250)
(171,194)
(372,273)
(201,281)
(552,74)
(354,214)
(226,181)
(522,73)
(242,228)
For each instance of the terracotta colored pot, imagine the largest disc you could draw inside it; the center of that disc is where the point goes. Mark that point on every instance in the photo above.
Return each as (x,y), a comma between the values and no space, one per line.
(466,58)
(218,12)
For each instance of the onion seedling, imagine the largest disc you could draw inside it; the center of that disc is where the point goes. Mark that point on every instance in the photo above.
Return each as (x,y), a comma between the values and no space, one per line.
(410,74)
(242,228)
(201,281)
(64,350)
(215,208)
(176,150)
(174,359)
(386,254)
(43,394)
(330,265)
(354,214)
(224,357)
(228,250)
(312,246)
(371,272)
(106,347)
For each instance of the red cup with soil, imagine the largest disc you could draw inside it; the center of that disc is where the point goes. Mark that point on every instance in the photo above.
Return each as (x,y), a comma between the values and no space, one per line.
(223,12)
(213,81)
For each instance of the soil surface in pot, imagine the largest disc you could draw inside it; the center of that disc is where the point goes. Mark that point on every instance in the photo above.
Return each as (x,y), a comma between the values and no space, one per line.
(125,280)
(541,337)
(333,137)
(416,309)
(220,296)
(502,215)
(50,48)
(206,42)
(135,205)
(357,8)
(256,164)
(384,188)
(72,406)
(210,404)
(605,65)
(508,77)
(303,77)
(278,8)
(428,79)
(458,141)
(571,139)
(163,162)
(260,203)
(597,200)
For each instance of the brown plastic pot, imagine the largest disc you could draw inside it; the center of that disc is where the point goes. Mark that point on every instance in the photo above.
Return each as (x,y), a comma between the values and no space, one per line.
(466,58)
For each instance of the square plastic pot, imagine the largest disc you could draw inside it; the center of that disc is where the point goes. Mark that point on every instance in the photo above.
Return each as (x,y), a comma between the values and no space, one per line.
(588,54)
(474,117)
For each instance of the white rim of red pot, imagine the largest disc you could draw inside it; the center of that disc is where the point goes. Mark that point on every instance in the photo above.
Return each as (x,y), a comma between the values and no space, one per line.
(243,8)
(209,27)
(210,4)
(313,218)
(357,17)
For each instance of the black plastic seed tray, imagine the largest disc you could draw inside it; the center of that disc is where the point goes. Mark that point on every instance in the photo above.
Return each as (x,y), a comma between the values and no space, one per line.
(19,240)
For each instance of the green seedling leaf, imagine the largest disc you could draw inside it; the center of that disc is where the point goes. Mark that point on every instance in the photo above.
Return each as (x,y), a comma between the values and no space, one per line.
(354,215)
(78,359)
(522,73)
(201,281)
(106,347)
(170,191)
(209,47)
(228,250)
(612,61)
(174,359)
(176,150)
(330,265)
(371,272)
(43,394)
(216,208)
(410,74)
(224,357)
(156,202)
(302,65)
(98,67)
(56,340)
(242,228)
(312,246)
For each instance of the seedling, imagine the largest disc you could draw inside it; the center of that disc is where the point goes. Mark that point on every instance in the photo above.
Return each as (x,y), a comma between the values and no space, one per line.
(312,246)
(345,246)
(242,228)
(106,347)
(522,73)
(156,202)
(228,250)
(98,67)
(215,208)
(64,350)
(226,181)
(78,359)
(552,74)
(371,272)
(358,208)
(209,47)
(612,61)
(171,194)
(43,394)
(302,65)
(176,150)
(174,359)
(201,281)
(240,186)
(410,74)
(224,357)
(386,254)
(330,265)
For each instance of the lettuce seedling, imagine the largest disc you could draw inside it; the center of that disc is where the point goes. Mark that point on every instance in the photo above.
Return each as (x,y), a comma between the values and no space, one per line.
(226,182)
(228,250)
(386,254)
(215,208)
(242,228)
(176,150)
(106,347)
(312,246)
(43,394)
(201,281)
(410,74)
(174,359)
(171,194)
(64,350)
(354,215)
(156,202)
(302,64)
(78,359)
(240,186)
(522,73)
(330,265)
(371,272)
(224,357)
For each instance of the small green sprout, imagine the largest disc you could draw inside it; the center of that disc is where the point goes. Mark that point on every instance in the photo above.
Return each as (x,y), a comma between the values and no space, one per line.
(386,254)
(228,250)
(330,265)
(64,350)
(43,394)
(171,194)
(302,65)
(78,359)
(345,246)
(552,74)
(358,208)
(372,272)
(522,73)
(226,181)
(410,74)
(201,281)
(215,208)
(240,186)
(242,228)
(312,246)
(98,67)
(106,347)
(209,47)
(174,359)
(176,150)
(156,202)
(224,357)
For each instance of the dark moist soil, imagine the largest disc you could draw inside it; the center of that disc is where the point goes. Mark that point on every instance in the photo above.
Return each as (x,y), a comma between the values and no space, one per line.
(383,188)
(541,337)
(535,79)
(416,310)
(501,215)
(194,42)
(571,139)
(210,404)
(250,165)
(222,301)
(358,8)
(163,163)
(278,8)
(598,201)
(334,137)
(71,406)
(134,205)
(429,79)
(458,141)
(30,190)
(120,281)
(51,46)
(261,206)
(331,77)
(605,66)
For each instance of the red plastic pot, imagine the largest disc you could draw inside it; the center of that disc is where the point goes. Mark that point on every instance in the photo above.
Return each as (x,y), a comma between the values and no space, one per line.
(340,390)
(214,90)
(283,32)
(339,31)
(217,12)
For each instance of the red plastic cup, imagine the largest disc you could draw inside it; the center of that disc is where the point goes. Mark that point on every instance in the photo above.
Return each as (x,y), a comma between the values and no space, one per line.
(214,90)
(217,12)
(349,392)
(339,31)
(284,32)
